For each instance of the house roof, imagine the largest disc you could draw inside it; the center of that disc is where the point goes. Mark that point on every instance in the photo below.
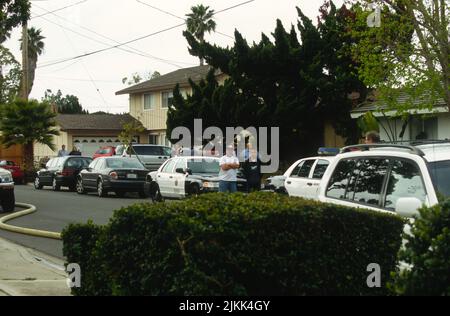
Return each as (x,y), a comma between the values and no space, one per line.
(403,98)
(93,121)
(168,81)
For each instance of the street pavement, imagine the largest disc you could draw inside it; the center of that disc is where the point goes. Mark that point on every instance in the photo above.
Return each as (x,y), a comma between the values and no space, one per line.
(55,210)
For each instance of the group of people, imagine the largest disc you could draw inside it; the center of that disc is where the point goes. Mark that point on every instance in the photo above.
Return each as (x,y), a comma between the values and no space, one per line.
(63,152)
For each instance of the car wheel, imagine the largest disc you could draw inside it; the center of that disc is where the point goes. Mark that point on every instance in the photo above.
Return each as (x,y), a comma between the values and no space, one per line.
(101,192)
(120,194)
(194,190)
(55,185)
(155,193)
(37,183)
(79,187)
(8,202)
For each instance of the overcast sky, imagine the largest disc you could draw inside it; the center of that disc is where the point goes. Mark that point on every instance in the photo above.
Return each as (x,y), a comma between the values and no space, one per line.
(92,25)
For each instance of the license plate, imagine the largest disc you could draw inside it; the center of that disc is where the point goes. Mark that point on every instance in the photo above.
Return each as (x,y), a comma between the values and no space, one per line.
(131,176)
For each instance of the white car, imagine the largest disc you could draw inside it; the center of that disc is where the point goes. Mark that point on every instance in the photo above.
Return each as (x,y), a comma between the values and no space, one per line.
(304,176)
(388,178)
(7,198)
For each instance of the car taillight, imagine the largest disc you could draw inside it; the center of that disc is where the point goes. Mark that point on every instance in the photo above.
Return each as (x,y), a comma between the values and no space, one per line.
(67,172)
(114,175)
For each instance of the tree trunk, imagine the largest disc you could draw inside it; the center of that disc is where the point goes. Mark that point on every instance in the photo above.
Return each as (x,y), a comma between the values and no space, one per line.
(29,161)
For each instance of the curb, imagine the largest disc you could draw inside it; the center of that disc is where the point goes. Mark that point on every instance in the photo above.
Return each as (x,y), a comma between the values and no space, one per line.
(26,231)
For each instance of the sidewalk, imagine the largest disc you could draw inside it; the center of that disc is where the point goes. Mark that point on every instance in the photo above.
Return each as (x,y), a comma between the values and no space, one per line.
(26,272)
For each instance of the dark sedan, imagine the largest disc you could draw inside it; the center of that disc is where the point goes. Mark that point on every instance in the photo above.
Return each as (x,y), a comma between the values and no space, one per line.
(61,172)
(113,174)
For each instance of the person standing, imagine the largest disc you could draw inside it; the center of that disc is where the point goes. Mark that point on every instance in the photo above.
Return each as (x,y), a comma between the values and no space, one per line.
(372,137)
(75,152)
(63,152)
(229,164)
(252,171)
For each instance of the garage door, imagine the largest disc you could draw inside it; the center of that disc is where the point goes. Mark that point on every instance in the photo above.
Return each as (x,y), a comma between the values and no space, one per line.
(89,145)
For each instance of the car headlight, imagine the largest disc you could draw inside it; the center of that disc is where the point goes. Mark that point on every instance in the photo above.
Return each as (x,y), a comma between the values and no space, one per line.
(5,178)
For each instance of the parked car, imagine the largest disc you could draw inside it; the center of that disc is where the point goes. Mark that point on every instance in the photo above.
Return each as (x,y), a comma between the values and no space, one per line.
(107,151)
(275,184)
(61,172)
(152,156)
(183,176)
(304,176)
(113,174)
(388,177)
(17,173)
(7,199)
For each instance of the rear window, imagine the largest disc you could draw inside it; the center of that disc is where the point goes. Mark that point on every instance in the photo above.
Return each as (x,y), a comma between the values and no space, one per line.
(204,166)
(126,163)
(147,150)
(78,162)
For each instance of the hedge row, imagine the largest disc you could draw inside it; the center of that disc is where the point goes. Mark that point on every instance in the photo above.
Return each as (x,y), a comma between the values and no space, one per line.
(219,244)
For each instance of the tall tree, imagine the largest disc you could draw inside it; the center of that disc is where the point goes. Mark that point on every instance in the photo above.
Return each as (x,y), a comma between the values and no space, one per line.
(297,81)
(68,104)
(12,13)
(199,22)
(25,123)
(35,49)
(408,52)
(137,78)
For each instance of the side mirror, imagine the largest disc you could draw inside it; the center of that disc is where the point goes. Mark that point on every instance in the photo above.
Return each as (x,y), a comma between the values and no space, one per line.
(180,170)
(408,207)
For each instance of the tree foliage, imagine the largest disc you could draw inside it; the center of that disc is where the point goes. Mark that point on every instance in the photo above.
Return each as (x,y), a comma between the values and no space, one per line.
(296,81)
(409,53)
(68,104)
(136,77)
(35,49)
(10,75)
(12,14)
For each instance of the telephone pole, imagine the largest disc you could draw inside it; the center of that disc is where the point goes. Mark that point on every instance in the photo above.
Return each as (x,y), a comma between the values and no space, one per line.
(25,76)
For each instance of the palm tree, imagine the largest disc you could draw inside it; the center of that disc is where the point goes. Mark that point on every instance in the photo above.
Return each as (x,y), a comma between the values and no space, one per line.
(35,49)
(25,123)
(200,21)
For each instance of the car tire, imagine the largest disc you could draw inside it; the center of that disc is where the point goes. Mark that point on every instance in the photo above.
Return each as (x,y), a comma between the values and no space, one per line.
(37,183)
(79,187)
(155,193)
(120,194)
(101,189)
(8,202)
(194,190)
(55,185)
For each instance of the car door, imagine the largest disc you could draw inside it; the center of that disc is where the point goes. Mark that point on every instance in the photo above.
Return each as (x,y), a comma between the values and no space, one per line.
(46,176)
(88,177)
(319,168)
(179,179)
(164,180)
(299,183)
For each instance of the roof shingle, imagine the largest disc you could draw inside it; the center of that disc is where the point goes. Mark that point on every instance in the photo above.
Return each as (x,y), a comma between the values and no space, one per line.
(93,121)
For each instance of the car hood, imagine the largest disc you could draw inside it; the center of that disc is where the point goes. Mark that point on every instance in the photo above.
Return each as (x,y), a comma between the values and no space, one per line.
(4,172)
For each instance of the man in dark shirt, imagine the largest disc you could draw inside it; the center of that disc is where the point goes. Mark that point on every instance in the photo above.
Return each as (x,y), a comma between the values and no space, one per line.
(252,171)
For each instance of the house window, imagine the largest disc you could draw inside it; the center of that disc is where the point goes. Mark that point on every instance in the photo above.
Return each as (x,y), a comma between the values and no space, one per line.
(149,101)
(167,99)
(424,128)
(153,139)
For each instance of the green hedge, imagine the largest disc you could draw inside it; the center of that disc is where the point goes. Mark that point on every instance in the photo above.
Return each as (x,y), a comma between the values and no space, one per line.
(427,252)
(218,244)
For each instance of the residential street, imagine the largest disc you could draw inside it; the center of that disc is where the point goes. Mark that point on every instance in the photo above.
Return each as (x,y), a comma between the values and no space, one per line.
(57,209)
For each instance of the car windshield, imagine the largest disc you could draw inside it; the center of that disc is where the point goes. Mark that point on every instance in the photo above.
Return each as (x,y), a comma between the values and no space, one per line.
(204,166)
(104,151)
(147,150)
(440,175)
(124,163)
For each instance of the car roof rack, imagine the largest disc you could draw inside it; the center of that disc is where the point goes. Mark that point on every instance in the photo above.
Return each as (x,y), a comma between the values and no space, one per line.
(365,147)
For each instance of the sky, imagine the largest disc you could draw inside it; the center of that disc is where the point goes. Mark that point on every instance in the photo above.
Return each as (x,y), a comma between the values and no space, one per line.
(84,26)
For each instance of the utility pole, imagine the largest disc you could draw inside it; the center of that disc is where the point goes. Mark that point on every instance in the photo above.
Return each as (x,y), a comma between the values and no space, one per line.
(25,84)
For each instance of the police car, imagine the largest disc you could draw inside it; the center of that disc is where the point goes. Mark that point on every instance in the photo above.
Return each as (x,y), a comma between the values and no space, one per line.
(179,177)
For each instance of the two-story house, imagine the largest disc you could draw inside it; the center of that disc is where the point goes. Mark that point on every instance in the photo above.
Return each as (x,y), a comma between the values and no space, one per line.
(150,100)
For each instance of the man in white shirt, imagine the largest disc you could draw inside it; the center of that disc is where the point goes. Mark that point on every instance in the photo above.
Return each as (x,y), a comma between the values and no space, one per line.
(228,171)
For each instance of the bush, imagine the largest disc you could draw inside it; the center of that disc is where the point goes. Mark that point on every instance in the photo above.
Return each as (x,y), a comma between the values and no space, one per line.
(256,244)
(427,252)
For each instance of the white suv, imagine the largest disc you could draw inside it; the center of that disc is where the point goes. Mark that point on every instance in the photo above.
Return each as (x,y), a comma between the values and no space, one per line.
(388,177)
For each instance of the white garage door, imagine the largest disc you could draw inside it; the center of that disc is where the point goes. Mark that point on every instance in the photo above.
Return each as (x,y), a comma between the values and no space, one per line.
(89,145)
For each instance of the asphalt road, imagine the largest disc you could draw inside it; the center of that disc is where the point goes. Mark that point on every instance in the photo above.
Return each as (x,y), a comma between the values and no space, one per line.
(55,210)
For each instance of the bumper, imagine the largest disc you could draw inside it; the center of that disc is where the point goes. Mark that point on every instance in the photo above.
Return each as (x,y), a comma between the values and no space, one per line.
(66,181)
(124,185)
(7,186)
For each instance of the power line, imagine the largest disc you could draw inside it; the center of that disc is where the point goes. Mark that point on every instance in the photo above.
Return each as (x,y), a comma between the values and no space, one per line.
(139,38)
(176,16)
(136,51)
(66,7)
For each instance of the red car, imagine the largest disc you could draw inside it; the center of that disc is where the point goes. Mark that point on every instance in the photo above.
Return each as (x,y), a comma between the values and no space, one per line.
(107,151)
(11,166)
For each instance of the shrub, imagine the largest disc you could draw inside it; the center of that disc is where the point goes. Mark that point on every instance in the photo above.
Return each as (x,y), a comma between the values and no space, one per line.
(256,244)
(427,252)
